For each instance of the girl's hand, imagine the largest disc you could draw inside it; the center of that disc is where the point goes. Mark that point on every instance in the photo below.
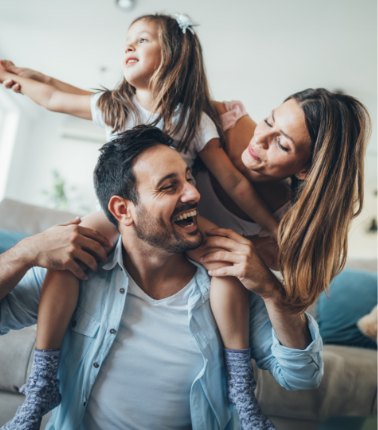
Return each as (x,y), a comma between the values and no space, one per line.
(9,67)
(247,265)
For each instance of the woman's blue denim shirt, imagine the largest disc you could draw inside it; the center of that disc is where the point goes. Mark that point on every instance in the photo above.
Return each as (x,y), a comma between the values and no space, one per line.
(91,335)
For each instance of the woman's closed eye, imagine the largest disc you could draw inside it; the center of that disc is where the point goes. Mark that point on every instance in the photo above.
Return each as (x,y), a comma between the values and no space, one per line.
(280,145)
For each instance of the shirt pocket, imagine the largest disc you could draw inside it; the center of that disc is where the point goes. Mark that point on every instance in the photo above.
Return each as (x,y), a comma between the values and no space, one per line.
(81,336)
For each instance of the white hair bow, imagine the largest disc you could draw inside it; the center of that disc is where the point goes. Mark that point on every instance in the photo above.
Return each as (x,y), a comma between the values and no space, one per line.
(185,23)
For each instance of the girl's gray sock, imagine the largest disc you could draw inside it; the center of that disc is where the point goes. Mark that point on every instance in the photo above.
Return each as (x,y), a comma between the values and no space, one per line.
(41,391)
(241,390)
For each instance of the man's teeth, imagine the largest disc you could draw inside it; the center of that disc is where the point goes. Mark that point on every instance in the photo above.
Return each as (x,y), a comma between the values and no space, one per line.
(186,215)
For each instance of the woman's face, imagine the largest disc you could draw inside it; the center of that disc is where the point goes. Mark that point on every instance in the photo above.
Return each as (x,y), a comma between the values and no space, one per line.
(280,146)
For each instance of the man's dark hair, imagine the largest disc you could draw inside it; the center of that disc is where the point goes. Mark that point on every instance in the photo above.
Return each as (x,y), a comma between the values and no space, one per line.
(113,174)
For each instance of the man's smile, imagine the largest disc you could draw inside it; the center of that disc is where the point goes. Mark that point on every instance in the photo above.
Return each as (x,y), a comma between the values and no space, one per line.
(187,220)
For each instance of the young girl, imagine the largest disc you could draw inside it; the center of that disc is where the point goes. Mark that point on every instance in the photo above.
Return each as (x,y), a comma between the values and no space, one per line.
(165,85)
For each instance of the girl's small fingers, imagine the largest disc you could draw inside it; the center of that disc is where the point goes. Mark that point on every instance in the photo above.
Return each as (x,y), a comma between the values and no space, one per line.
(16,88)
(8,83)
(226,232)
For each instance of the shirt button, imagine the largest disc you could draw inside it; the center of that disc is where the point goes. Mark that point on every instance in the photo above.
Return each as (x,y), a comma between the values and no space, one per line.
(85,404)
(122,291)
(73,324)
(96,365)
(112,331)
(120,268)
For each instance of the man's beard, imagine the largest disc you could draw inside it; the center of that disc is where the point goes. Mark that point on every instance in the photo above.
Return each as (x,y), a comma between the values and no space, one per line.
(157,233)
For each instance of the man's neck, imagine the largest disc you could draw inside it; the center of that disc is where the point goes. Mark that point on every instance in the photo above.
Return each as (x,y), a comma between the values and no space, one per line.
(157,273)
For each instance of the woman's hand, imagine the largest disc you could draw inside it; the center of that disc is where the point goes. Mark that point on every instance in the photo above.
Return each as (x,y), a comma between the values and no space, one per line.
(9,67)
(247,266)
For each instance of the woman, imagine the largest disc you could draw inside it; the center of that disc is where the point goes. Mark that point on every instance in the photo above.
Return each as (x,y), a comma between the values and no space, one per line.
(309,151)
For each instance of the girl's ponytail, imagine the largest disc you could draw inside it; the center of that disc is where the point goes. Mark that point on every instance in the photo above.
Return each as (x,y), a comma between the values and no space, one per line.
(313,235)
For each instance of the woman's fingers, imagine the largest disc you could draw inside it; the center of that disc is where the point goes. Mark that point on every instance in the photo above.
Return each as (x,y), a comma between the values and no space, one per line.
(227,232)
(228,244)
(225,271)
(230,257)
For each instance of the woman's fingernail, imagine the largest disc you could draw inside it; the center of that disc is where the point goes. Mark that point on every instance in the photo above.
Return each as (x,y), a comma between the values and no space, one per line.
(210,272)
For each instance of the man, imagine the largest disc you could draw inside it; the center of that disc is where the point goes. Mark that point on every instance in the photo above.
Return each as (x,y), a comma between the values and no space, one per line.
(143,350)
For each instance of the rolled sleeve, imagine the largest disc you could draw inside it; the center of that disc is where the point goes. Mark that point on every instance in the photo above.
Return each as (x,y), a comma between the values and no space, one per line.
(293,369)
(19,308)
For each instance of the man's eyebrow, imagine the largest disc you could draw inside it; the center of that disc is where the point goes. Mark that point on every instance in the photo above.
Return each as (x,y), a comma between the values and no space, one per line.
(285,134)
(170,176)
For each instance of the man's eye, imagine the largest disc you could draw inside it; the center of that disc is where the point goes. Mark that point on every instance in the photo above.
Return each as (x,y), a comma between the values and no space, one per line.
(267,123)
(167,188)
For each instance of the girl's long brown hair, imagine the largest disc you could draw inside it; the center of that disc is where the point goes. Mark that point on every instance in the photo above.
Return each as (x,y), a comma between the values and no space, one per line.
(179,80)
(313,235)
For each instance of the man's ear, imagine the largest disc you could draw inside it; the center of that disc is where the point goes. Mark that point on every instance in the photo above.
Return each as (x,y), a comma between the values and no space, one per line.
(120,208)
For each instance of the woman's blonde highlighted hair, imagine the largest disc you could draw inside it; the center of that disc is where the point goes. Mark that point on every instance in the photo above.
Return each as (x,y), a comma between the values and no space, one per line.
(313,235)
(180,79)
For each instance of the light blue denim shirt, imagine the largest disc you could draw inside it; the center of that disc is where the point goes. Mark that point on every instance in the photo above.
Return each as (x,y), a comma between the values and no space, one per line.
(91,335)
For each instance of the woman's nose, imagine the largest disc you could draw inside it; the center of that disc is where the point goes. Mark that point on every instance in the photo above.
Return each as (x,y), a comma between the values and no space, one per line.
(262,140)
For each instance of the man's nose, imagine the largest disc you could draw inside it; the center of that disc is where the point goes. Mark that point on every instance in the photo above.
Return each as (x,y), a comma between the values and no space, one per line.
(190,193)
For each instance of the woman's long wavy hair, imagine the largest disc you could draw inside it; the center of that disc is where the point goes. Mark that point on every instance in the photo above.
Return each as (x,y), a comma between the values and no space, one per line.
(180,79)
(313,235)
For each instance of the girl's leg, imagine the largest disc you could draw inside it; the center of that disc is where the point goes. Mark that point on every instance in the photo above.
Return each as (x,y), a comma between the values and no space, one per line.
(58,301)
(230,305)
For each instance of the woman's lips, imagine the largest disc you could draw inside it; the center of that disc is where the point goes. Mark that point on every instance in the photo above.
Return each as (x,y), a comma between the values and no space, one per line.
(252,153)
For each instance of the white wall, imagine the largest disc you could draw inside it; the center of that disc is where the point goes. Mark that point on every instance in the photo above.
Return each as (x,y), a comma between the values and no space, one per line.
(256,51)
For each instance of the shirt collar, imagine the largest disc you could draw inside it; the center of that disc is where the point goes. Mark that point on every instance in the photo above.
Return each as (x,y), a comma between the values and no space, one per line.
(115,257)
(201,276)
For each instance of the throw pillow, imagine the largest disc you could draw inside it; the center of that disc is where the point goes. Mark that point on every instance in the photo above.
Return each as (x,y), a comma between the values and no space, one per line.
(10,238)
(352,295)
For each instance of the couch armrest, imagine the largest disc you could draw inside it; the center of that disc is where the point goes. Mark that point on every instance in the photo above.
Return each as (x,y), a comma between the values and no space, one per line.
(16,352)
(348,388)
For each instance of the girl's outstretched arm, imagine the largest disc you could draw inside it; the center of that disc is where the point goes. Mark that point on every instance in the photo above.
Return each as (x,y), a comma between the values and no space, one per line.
(228,298)
(50,98)
(8,66)
(237,186)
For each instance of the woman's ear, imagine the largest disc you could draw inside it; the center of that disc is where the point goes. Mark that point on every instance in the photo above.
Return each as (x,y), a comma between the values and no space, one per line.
(302,176)
(120,208)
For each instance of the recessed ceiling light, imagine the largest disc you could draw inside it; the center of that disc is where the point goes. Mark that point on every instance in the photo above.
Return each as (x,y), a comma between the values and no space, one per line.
(125,5)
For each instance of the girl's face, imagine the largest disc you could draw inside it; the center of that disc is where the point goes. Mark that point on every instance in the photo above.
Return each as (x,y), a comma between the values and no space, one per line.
(142,53)
(281,145)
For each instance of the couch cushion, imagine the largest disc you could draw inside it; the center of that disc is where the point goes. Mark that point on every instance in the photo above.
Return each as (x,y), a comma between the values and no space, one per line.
(352,295)
(17,349)
(348,388)
(9,238)
(18,216)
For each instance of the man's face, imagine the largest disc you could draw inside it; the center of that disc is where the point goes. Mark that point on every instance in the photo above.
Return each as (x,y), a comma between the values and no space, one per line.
(166,216)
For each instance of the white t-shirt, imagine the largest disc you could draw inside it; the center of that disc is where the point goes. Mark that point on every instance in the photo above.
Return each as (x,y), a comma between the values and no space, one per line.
(206,132)
(145,381)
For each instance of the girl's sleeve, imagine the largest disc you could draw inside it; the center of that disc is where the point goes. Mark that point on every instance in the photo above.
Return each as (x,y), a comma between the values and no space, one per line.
(97,115)
(235,111)
(207,131)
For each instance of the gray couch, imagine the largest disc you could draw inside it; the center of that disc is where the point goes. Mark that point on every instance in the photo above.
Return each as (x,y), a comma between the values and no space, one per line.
(348,387)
